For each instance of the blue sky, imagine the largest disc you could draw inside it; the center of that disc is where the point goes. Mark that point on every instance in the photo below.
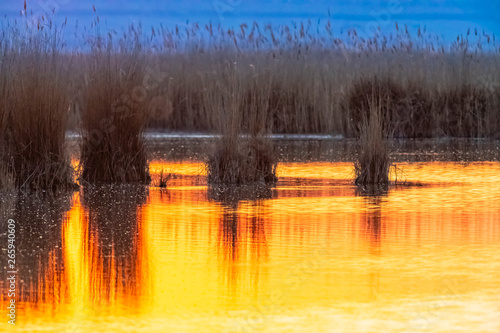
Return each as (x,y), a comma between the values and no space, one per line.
(442,17)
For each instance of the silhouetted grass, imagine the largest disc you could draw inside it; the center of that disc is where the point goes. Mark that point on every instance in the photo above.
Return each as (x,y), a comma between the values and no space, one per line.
(115,110)
(320,83)
(163,179)
(241,160)
(252,80)
(34,94)
(6,179)
(373,164)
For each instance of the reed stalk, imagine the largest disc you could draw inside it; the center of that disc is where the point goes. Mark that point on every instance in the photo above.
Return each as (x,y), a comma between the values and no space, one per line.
(34,90)
(115,111)
(373,164)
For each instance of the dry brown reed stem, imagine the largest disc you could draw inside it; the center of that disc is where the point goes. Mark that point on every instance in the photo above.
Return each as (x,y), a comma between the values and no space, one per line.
(373,164)
(163,179)
(115,110)
(33,116)
(6,179)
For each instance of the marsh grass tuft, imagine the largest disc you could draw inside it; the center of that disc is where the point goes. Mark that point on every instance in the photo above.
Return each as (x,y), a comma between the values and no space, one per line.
(163,179)
(245,154)
(373,164)
(115,112)
(33,116)
(243,162)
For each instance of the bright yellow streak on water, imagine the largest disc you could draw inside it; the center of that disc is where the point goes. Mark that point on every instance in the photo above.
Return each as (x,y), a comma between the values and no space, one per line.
(314,258)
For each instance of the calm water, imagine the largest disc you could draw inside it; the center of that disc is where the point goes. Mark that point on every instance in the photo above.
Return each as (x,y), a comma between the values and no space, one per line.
(313,254)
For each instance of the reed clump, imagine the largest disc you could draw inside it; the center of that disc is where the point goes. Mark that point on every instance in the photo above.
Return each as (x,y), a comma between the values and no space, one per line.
(373,164)
(245,154)
(33,114)
(243,162)
(115,111)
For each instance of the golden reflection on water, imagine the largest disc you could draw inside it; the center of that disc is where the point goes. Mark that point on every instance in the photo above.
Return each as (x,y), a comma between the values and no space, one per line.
(316,256)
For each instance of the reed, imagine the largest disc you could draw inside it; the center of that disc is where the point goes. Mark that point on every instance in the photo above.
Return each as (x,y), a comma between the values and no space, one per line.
(243,83)
(373,164)
(318,78)
(238,159)
(33,114)
(242,162)
(115,111)
(6,179)
(316,92)
(406,111)
(464,111)
(163,179)
(314,79)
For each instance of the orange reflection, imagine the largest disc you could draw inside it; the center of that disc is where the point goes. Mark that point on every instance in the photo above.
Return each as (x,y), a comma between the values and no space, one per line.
(181,168)
(114,266)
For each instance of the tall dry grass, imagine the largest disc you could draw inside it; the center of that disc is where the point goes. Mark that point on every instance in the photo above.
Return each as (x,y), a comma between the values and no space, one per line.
(315,81)
(6,179)
(324,92)
(238,159)
(373,164)
(34,90)
(115,110)
(249,81)
(320,81)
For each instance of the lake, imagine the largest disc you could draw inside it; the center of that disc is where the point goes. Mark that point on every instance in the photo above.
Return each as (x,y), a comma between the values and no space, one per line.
(313,254)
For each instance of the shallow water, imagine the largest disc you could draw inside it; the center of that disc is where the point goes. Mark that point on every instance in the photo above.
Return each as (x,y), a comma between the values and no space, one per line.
(314,254)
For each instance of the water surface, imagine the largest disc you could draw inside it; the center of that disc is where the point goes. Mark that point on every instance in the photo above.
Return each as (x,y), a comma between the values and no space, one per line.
(313,254)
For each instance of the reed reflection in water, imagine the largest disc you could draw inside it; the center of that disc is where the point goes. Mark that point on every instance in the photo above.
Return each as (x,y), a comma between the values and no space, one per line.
(242,239)
(115,262)
(41,282)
